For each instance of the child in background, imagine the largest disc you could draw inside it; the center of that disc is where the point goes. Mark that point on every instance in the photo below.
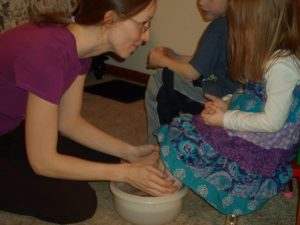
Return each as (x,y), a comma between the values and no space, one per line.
(180,85)
(237,154)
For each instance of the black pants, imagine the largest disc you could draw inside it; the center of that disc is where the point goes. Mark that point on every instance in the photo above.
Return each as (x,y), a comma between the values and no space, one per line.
(170,103)
(54,200)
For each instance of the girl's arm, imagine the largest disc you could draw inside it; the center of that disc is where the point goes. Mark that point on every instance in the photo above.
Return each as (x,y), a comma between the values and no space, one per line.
(164,57)
(282,78)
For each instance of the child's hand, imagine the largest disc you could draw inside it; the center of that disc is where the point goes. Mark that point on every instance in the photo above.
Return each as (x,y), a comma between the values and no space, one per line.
(213,116)
(169,53)
(155,58)
(159,55)
(217,102)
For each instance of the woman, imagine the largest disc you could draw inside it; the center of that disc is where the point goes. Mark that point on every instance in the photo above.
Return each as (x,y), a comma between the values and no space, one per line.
(42,66)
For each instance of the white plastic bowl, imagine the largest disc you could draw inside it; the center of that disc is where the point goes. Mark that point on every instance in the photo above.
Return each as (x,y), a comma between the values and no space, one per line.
(133,206)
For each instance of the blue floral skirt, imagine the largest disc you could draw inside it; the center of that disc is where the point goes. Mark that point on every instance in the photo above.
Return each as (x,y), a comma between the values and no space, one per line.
(222,182)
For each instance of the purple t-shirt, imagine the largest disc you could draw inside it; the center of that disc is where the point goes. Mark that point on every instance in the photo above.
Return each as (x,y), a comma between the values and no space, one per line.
(38,59)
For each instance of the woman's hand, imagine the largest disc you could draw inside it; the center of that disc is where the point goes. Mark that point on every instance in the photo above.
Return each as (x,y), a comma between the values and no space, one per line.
(144,154)
(144,172)
(150,179)
(170,176)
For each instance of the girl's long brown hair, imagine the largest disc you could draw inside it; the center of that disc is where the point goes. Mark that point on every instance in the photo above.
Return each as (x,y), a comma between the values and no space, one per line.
(259,30)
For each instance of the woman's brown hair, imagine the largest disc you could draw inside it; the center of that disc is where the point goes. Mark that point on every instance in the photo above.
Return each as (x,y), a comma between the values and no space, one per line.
(92,11)
(88,12)
(259,30)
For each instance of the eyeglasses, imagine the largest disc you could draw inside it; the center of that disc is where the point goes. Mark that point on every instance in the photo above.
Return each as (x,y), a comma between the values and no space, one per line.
(144,26)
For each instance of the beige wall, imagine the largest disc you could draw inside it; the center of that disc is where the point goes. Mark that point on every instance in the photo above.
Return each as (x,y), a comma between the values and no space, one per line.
(177,24)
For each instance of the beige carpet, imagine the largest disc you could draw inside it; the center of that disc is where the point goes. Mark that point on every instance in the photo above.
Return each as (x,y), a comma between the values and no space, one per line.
(128,122)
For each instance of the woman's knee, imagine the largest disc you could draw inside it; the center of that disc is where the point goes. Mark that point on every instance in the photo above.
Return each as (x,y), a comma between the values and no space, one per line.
(85,206)
(75,206)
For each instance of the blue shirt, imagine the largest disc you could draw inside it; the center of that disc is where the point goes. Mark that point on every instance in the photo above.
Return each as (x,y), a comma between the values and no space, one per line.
(210,59)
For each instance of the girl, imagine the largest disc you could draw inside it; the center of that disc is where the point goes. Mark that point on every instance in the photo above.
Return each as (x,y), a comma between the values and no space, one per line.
(41,79)
(237,153)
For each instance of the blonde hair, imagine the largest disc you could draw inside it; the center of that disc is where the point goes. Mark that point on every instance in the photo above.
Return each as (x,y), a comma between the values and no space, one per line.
(54,11)
(259,30)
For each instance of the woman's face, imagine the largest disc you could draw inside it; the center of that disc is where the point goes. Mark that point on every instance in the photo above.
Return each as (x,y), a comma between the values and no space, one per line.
(126,36)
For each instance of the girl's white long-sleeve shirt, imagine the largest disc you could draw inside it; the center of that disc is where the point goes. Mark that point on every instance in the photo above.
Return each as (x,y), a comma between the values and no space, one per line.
(282,78)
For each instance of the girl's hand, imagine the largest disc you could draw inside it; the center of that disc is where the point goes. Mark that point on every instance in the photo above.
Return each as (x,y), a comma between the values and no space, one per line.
(213,100)
(155,58)
(169,53)
(158,56)
(150,179)
(213,116)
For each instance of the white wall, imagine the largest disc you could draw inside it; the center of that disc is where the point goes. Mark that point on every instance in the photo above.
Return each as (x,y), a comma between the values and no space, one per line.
(177,24)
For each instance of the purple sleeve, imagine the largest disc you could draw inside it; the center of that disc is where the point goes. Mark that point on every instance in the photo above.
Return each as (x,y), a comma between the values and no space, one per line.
(41,73)
(86,65)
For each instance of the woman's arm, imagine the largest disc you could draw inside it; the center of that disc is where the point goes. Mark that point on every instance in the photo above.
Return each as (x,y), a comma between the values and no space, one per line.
(74,126)
(42,122)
